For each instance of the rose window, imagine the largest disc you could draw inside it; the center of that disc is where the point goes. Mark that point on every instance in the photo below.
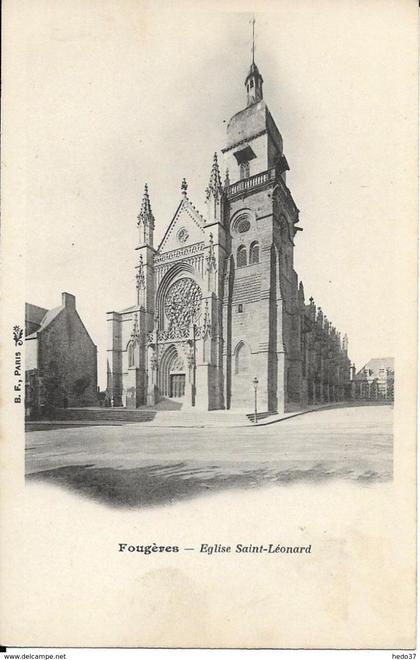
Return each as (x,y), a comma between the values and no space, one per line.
(182,306)
(244,226)
(182,235)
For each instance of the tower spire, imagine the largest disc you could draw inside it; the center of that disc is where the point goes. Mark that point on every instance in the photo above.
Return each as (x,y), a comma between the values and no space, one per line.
(215,182)
(253,39)
(214,191)
(146,220)
(253,81)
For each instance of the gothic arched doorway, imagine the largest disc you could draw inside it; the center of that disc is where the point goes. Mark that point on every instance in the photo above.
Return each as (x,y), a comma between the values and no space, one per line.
(241,397)
(172,375)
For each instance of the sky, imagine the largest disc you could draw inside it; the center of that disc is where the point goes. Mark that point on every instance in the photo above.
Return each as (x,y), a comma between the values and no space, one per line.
(114,94)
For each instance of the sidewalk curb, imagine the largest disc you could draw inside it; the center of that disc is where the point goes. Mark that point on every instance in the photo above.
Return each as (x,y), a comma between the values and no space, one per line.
(68,424)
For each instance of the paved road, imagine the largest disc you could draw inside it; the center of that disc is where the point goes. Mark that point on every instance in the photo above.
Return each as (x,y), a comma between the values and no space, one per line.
(131,465)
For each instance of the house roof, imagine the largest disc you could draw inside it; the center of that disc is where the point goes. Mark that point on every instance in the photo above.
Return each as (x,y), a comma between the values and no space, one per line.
(49,316)
(378,363)
(34,314)
(132,308)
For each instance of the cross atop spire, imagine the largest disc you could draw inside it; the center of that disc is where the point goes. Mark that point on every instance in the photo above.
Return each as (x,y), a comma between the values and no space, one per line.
(184,187)
(253,81)
(253,39)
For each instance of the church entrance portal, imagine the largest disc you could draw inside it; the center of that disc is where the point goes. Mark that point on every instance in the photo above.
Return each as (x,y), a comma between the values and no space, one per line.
(172,374)
(177,385)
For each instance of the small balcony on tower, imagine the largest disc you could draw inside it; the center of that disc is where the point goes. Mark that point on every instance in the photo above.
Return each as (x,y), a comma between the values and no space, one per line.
(252,183)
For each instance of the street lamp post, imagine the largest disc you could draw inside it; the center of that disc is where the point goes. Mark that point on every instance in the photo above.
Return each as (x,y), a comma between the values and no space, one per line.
(255,384)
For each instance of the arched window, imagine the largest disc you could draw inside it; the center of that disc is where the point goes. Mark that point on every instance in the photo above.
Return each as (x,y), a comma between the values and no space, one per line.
(254,253)
(244,170)
(131,354)
(242,359)
(241,256)
(242,222)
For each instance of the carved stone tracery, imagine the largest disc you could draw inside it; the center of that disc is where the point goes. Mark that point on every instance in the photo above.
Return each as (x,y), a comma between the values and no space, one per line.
(206,327)
(211,258)
(140,281)
(179,253)
(135,332)
(182,306)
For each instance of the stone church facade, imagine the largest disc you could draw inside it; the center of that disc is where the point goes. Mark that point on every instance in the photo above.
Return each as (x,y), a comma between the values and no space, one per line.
(218,301)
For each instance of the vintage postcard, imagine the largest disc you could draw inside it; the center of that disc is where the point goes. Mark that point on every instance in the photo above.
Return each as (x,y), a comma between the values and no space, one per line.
(209,286)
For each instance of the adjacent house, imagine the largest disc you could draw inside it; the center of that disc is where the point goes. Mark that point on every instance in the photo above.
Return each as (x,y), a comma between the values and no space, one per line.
(61,359)
(375,380)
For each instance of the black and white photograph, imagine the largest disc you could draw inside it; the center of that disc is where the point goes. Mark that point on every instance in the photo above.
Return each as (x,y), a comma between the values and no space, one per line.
(209,242)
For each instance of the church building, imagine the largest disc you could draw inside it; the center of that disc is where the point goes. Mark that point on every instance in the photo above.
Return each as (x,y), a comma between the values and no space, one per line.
(218,303)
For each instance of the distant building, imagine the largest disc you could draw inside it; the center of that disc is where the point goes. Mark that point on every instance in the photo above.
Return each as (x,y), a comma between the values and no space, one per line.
(61,360)
(375,380)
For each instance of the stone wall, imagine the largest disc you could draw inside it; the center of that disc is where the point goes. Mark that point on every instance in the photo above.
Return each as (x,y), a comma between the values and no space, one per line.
(68,361)
(31,354)
(253,314)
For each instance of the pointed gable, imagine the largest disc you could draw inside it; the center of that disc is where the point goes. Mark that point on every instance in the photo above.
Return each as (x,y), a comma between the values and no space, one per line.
(185,228)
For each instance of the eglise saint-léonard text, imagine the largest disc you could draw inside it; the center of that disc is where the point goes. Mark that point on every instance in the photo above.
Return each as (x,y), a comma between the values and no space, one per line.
(218,302)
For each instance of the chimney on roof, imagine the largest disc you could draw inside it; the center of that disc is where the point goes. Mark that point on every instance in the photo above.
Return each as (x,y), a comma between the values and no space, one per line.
(68,300)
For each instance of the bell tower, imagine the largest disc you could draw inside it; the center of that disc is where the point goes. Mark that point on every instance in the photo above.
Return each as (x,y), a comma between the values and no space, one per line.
(260,306)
